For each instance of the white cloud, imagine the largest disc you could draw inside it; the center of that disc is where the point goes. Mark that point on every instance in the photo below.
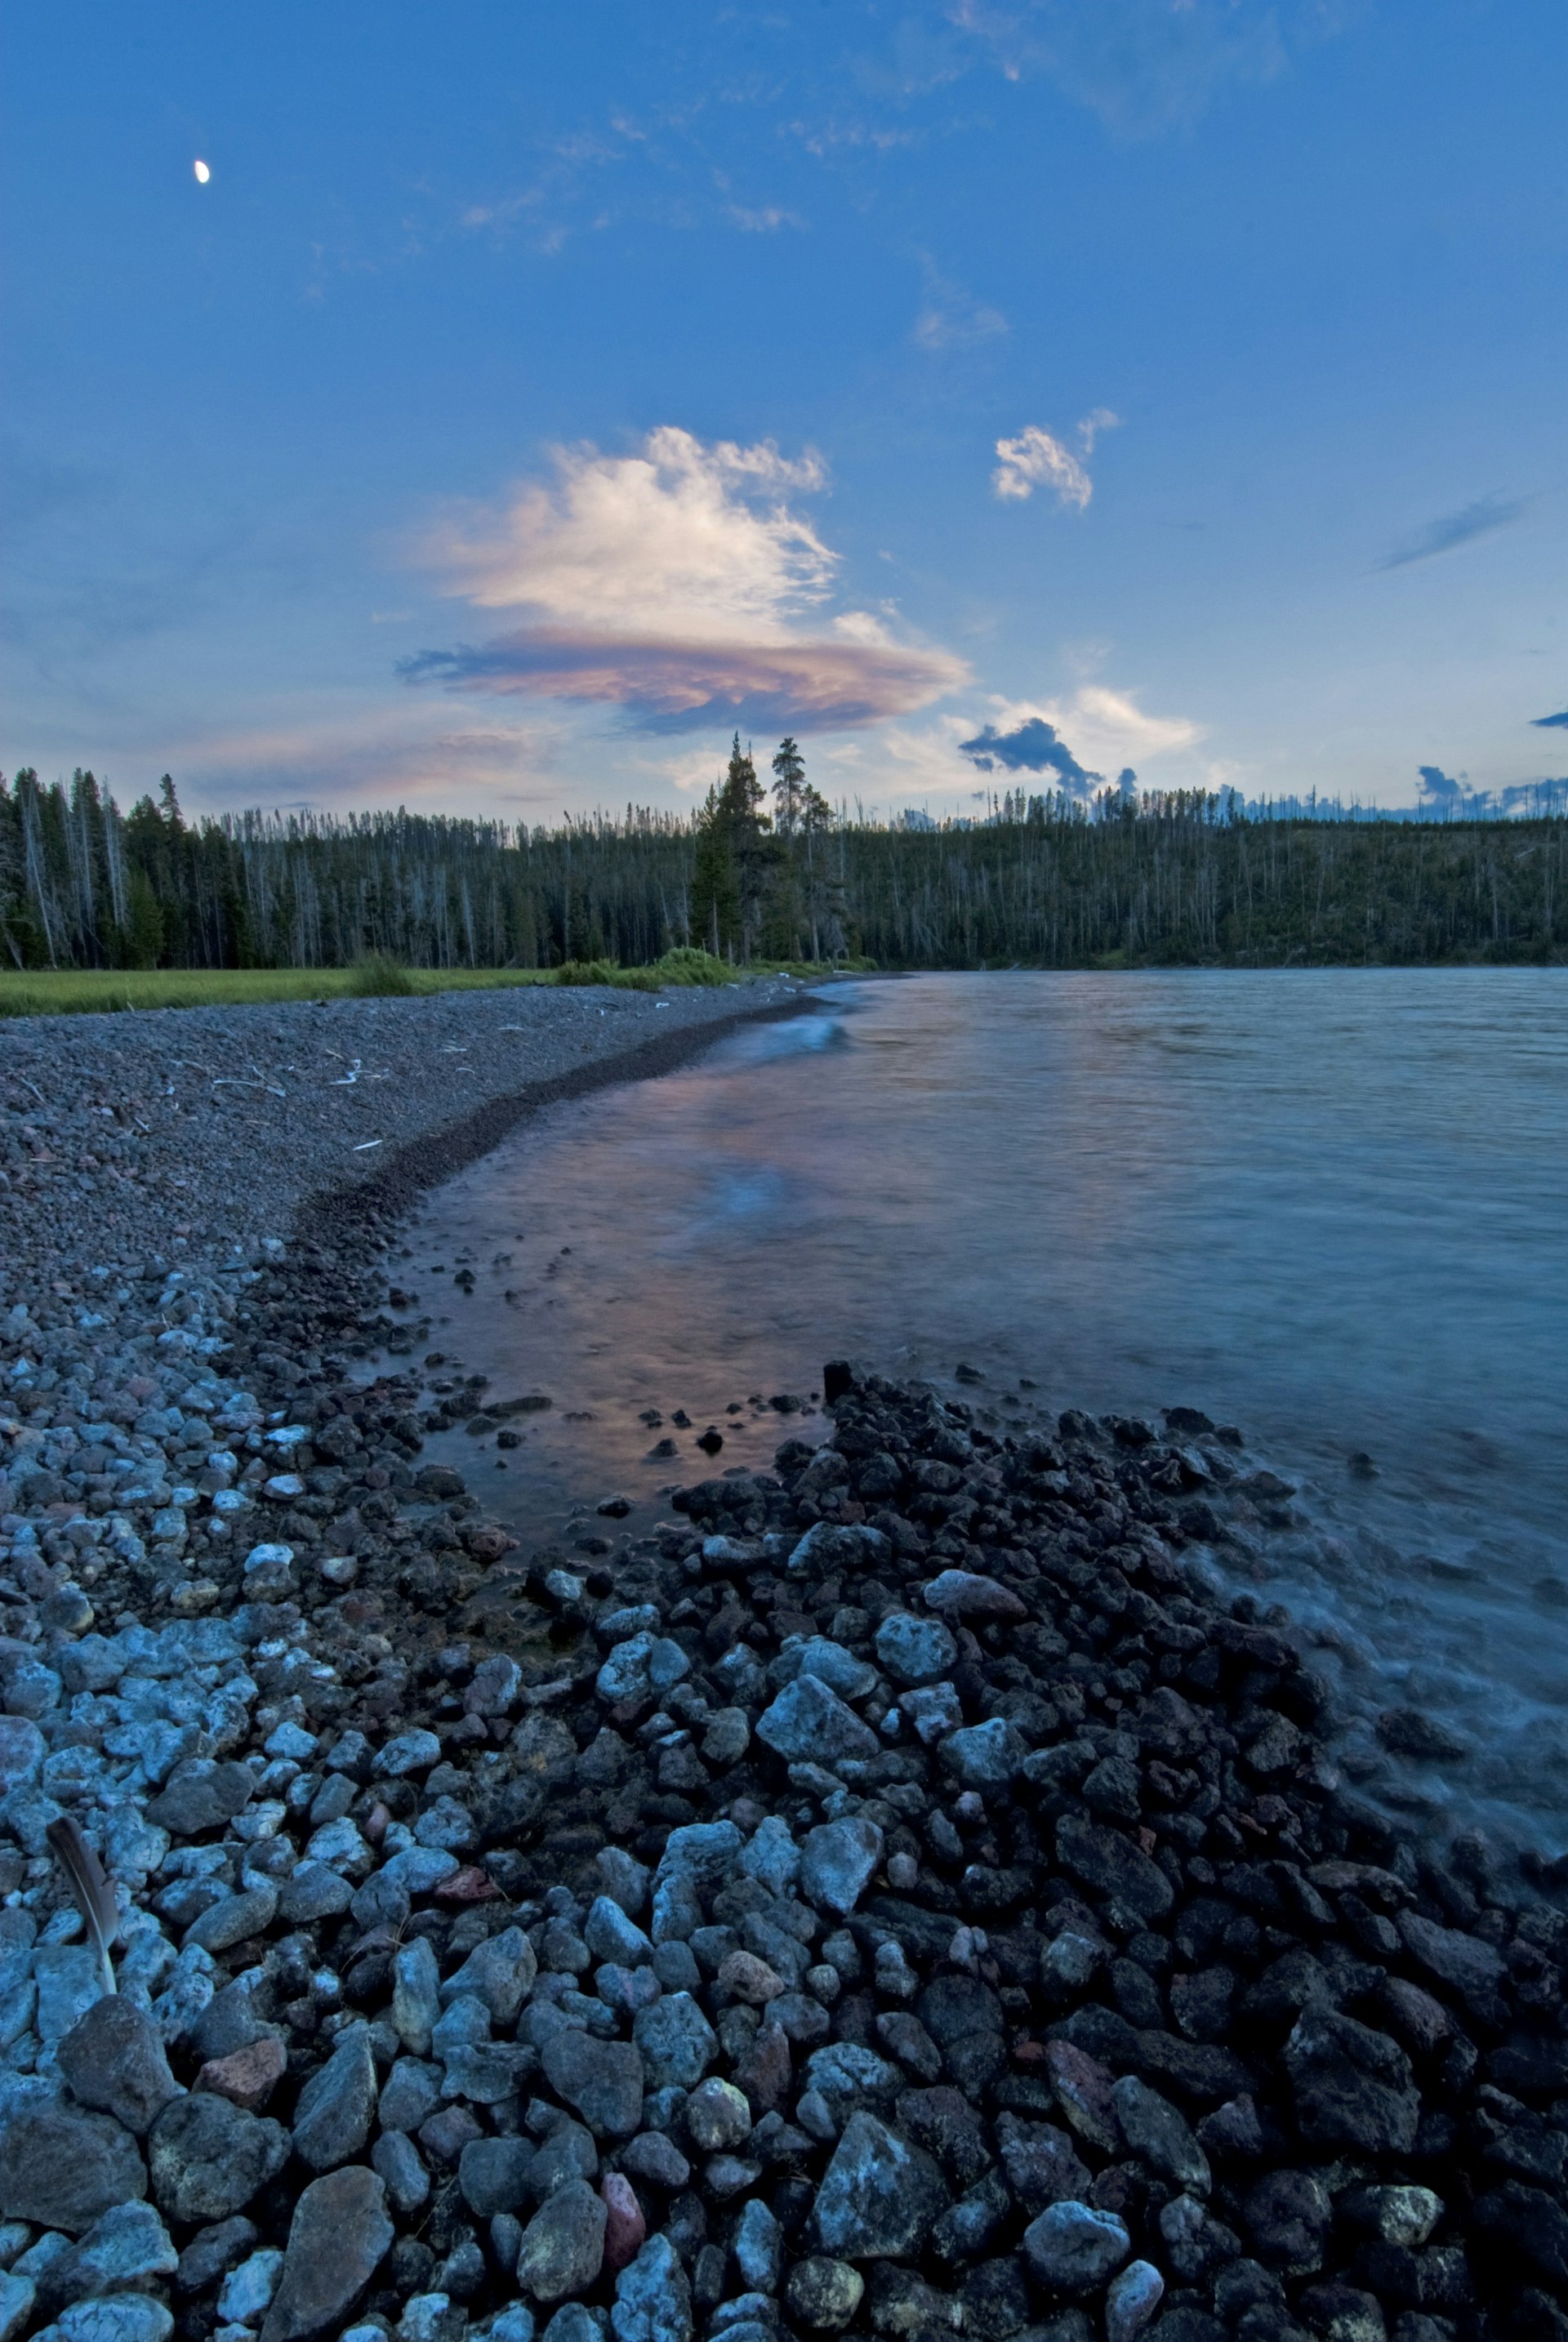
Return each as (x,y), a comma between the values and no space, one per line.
(1037,459)
(673,583)
(1107,728)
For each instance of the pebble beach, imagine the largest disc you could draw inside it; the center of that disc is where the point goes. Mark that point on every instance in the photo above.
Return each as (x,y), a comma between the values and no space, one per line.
(893,1898)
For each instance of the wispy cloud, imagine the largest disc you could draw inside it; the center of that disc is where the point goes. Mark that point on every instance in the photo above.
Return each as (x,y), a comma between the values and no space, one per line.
(672,583)
(1552,722)
(1483,518)
(1037,459)
(950,318)
(1108,726)
(1146,66)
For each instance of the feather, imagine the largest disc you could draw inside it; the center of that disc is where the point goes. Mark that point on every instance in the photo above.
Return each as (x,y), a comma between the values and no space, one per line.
(94,1895)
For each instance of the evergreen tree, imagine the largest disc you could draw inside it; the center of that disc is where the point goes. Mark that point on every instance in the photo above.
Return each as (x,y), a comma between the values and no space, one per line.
(789,786)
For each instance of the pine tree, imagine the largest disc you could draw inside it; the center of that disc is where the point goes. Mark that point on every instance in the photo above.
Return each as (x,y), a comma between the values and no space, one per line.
(789,784)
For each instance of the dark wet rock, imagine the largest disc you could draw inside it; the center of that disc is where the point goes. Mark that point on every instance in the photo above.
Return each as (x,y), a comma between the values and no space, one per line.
(1529,2224)
(653,2298)
(1352,2086)
(807,1723)
(602,2079)
(1111,1865)
(213,2252)
(115,2061)
(1073,2248)
(823,2295)
(1287,2216)
(562,2247)
(493,2175)
(878,2196)
(64,2169)
(338,2238)
(1155,2131)
(963,2017)
(1042,2164)
(209,2158)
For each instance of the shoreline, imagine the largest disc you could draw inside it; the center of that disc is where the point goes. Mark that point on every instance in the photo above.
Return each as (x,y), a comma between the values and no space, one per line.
(1021,1963)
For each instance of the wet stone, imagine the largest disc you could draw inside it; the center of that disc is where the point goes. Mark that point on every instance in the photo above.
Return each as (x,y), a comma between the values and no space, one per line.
(878,2196)
(1072,2247)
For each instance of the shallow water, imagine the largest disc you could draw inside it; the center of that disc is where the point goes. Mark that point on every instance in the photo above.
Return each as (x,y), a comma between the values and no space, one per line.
(1327,1206)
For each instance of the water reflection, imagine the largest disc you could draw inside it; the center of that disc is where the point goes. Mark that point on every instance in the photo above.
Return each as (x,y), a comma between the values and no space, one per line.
(1328,1205)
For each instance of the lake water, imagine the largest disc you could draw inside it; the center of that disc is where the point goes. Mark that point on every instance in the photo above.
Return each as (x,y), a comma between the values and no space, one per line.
(1328,1206)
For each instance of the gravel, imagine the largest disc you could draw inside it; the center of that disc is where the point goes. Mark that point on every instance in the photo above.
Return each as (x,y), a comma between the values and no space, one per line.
(892,1896)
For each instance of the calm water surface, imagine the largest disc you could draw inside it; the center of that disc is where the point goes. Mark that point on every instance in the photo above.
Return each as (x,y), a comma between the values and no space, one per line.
(1328,1206)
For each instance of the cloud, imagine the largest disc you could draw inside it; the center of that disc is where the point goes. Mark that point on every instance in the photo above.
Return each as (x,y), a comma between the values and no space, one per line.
(1552,722)
(672,584)
(1032,746)
(1146,66)
(951,319)
(1035,459)
(1446,535)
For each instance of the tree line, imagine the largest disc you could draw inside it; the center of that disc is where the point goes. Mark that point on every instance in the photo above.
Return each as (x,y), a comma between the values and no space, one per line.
(1182,880)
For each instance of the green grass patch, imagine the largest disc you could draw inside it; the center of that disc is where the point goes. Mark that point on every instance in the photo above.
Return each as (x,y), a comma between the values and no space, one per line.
(79,991)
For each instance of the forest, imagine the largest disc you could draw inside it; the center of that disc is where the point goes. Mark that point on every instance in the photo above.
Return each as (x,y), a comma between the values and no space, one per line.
(769,872)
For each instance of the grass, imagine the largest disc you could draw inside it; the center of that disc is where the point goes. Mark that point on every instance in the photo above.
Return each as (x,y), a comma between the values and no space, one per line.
(76,992)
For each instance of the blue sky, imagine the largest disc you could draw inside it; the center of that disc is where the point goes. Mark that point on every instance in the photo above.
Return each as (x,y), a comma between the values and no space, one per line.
(532,394)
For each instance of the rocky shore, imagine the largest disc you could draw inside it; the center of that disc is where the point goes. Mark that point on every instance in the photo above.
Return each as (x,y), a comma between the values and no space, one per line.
(894,1899)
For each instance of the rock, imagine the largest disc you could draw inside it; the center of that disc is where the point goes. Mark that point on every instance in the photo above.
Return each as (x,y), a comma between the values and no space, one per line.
(395,2161)
(771,1855)
(1111,1865)
(878,2196)
(1041,2163)
(64,2169)
(652,2156)
(640,1668)
(837,1861)
(1470,1967)
(332,2120)
(1072,2249)
(22,1752)
(625,2226)
(749,1979)
(677,2041)
(717,2116)
(117,2318)
(70,1979)
(1287,2216)
(983,1755)
(248,2077)
(609,1935)
(494,2173)
(562,2247)
(603,2079)
(17,2294)
(337,2239)
(1131,2299)
(247,2291)
(235,1920)
(1352,2086)
(126,2251)
(416,1994)
(653,2298)
(823,2295)
(408,1752)
(1154,2130)
(727,1736)
(961,1594)
(963,2017)
(114,2059)
(213,2252)
(1396,2216)
(208,2159)
(914,1650)
(807,1723)
(819,1656)
(758,2247)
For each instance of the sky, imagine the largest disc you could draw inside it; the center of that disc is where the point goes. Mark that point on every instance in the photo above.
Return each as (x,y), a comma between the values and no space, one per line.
(529,397)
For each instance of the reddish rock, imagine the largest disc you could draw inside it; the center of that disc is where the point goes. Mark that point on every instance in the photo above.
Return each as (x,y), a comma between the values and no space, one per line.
(467,1886)
(625,2226)
(248,2077)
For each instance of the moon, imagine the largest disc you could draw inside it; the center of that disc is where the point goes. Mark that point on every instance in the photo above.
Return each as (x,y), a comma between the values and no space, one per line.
(202,172)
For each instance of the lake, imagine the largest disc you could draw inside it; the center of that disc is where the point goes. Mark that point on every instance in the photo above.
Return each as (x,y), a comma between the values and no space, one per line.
(1326,1206)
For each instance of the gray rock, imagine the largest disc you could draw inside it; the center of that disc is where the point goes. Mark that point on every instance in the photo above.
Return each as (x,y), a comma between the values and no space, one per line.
(837,1861)
(625,1879)
(1073,2248)
(332,2120)
(677,2043)
(1040,2162)
(126,2251)
(572,2323)
(313,1891)
(728,1737)
(653,2298)
(336,2241)
(1287,2216)
(408,1752)
(208,2159)
(412,2092)
(64,2169)
(202,1799)
(603,2079)
(1352,2086)
(500,1972)
(758,2247)
(213,2252)
(416,1994)
(117,2318)
(17,2294)
(396,2162)
(642,1666)
(114,2059)
(717,2116)
(914,1650)
(247,2290)
(493,2175)
(611,1936)
(235,1920)
(983,1756)
(1112,1867)
(771,1855)
(654,2157)
(807,1723)
(878,2197)
(70,1978)
(1154,2130)
(562,2247)
(1466,1964)
(1132,2300)
(823,2295)
(818,1656)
